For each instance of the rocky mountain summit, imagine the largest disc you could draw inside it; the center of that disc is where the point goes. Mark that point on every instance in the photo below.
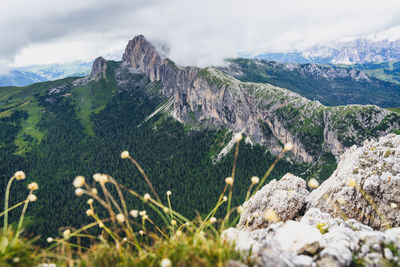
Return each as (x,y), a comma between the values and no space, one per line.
(284,225)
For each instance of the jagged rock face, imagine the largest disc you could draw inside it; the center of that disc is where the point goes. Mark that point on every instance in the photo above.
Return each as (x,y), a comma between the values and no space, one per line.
(286,197)
(270,115)
(373,172)
(143,56)
(364,187)
(344,213)
(99,69)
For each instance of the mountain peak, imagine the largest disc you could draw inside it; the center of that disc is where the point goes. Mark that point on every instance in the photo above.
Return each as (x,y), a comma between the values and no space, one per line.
(142,55)
(98,69)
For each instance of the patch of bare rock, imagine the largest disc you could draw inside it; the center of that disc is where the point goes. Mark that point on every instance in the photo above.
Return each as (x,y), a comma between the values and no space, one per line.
(353,217)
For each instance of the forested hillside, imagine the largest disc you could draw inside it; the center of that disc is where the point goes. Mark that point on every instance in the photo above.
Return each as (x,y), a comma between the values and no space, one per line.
(55,131)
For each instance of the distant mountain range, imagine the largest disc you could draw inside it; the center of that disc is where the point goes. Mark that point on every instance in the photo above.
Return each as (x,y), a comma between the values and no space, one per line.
(351,52)
(23,76)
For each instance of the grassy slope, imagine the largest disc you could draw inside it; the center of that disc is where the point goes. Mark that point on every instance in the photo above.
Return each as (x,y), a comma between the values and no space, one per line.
(94,97)
(25,99)
(386,71)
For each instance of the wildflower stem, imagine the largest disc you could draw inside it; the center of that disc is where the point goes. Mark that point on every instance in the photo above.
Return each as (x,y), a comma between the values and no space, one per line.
(122,199)
(222,194)
(225,220)
(158,229)
(157,204)
(108,206)
(248,192)
(212,212)
(21,218)
(5,227)
(13,207)
(115,203)
(104,204)
(228,207)
(98,221)
(170,207)
(145,178)
(269,171)
(158,212)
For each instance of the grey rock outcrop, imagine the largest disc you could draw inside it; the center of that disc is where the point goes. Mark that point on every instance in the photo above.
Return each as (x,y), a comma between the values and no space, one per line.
(339,216)
(99,69)
(302,244)
(373,173)
(287,197)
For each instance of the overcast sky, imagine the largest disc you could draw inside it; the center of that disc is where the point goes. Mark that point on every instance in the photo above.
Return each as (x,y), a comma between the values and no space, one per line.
(197,32)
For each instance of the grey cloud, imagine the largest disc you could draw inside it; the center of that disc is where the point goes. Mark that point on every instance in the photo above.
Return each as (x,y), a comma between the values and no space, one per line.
(197,32)
(19,32)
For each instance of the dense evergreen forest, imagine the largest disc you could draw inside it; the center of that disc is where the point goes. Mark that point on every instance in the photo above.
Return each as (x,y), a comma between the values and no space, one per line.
(82,138)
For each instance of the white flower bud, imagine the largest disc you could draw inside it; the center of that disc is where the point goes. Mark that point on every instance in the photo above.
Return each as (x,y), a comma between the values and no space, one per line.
(166,263)
(255,180)
(120,218)
(67,233)
(229,180)
(79,192)
(142,213)
(146,197)
(32,198)
(124,154)
(271,216)
(288,146)
(134,213)
(313,183)
(19,175)
(89,212)
(33,186)
(238,137)
(79,181)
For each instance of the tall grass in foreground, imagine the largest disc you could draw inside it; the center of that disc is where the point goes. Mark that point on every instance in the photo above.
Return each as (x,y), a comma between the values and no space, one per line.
(15,251)
(130,237)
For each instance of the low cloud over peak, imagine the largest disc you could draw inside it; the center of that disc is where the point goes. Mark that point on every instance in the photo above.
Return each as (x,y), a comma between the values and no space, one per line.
(196,32)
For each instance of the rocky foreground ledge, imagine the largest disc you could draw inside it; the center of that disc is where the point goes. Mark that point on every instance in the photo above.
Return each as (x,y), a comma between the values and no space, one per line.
(353,217)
